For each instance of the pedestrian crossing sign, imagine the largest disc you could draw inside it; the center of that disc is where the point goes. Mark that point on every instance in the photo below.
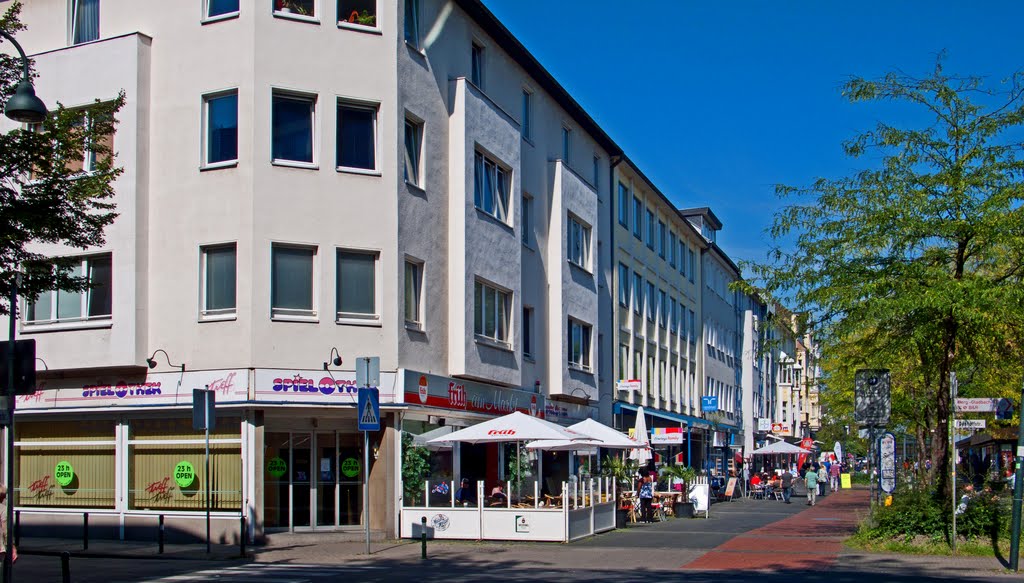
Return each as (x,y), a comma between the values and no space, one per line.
(368,409)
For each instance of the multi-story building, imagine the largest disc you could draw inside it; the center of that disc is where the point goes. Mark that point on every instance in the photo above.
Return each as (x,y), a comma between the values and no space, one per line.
(305,181)
(655,325)
(758,378)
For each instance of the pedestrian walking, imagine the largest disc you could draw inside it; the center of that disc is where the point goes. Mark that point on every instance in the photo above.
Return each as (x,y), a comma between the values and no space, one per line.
(811,480)
(787,486)
(822,480)
(833,476)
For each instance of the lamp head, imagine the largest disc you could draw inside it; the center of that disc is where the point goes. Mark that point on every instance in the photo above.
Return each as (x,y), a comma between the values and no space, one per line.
(24,106)
(151,363)
(337,361)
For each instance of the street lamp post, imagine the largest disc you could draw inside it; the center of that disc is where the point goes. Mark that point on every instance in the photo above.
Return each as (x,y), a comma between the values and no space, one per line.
(22,107)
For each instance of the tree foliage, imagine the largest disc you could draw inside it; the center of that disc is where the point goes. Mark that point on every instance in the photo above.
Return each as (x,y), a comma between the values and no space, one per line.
(914,263)
(56,185)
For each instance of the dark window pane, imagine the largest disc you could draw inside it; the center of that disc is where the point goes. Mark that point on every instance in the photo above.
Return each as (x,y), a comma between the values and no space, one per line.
(86,21)
(356,147)
(362,12)
(292,278)
(222,125)
(356,283)
(218,7)
(100,303)
(292,129)
(220,278)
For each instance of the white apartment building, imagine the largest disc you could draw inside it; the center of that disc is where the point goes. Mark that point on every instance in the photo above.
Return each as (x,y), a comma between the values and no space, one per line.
(656,320)
(304,179)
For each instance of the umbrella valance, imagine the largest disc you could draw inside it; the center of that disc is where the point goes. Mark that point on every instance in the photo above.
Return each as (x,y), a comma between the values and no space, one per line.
(779,447)
(512,427)
(601,434)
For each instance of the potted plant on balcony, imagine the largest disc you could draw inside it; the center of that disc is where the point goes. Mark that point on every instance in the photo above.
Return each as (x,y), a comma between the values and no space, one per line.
(364,18)
(623,472)
(291,6)
(681,505)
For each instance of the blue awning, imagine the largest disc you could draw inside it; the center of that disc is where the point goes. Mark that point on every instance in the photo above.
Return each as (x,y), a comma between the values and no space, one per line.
(689,420)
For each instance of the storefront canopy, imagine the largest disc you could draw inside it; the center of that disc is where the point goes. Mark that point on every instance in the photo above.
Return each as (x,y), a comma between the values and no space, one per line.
(779,447)
(601,434)
(512,427)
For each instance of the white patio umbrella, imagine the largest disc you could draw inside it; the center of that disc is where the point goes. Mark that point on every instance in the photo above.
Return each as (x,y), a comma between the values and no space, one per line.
(600,436)
(779,447)
(641,451)
(516,426)
(422,439)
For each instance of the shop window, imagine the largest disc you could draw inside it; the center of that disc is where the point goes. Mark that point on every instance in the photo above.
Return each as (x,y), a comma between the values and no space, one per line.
(358,12)
(85,454)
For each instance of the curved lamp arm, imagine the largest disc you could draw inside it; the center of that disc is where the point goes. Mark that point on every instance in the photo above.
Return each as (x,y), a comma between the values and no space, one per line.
(21,52)
(152,363)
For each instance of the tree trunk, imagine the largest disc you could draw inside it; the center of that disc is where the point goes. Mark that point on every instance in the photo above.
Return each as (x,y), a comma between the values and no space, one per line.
(943,409)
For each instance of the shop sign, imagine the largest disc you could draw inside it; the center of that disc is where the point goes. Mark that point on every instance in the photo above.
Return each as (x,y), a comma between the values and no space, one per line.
(764,424)
(164,388)
(462,395)
(780,428)
(316,386)
(522,523)
(350,467)
(969,423)
(667,436)
(630,385)
(64,474)
(184,474)
(968,405)
(276,467)
(887,473)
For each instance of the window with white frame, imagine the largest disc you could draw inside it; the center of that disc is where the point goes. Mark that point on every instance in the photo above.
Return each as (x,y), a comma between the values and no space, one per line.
(671,249)
(95,303)
(291,281)
(597,172)
(356,288)
(220,117)
(85,21)
(527,220)
(623,209)
(638,293)
(661,239)
(693,326)
(91,158)
(412,22)
(566,145)
(491,310)
(221,8)
(358,13)
(491,187)
(219,280)
(638,217)
(357,137)
(527,331)
(293,119)
(649,218)
(673,315)
(413,151)
(682,256)
(652,301)
(526,127)
(476,65)
(578,243)
(579,344)
(638,363)
(692,266)
(413,292)
(623,362)
(662,308)
(623,285)
(298,7)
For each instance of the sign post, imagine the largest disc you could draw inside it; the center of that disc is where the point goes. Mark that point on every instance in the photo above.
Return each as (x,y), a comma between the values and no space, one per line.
(204,417)
(368,416)
(1018,490)
(953,389)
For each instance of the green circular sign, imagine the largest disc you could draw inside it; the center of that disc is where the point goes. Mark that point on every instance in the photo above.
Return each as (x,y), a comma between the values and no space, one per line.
(350,467)
(276,467)
(184,474)
(64,473)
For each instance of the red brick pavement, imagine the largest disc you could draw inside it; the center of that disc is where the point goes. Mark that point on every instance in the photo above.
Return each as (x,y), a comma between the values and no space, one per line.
(811,539)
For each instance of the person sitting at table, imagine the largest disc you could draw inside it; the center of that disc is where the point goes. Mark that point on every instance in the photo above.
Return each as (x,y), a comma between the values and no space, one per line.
(465,494)
(755,480)
(498,495)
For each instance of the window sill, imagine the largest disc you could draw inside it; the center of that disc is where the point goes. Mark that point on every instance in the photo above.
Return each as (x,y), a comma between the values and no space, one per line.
(370,322)
(219,18)
(489,217)
(492,343)
(415,49)
(580,267)
(359,171)
(219,165)
(66,326)
(529,358)
(296,17)
(415,327)
(581,368)
(416,187)
(528,140)
(295,164)
(360,28)
(218,317)
(310,319)
(530,247)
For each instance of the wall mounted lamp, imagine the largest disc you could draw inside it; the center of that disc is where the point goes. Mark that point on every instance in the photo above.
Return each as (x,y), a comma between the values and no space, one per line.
(334,358)
(152,363)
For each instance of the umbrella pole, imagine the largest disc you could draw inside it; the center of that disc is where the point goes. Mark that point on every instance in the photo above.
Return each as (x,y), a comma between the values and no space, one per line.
(519,469)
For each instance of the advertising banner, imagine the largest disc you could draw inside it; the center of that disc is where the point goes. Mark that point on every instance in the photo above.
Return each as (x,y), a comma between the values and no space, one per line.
(316,386)
(147,389)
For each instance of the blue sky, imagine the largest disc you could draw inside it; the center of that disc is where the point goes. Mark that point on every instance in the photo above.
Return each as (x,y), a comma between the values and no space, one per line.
(719,101)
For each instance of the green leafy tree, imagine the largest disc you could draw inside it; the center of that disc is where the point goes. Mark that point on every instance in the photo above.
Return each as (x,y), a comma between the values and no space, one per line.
(56,184)
(415,469)
(916,260)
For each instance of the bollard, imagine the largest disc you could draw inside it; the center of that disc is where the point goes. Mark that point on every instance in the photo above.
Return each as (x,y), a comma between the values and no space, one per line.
(244,534)
(160,534)
(85,531)
(17,528)
(65,567)
(423,537)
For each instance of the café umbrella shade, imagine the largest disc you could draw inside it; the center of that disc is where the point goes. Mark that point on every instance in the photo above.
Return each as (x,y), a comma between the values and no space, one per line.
(512,427)
(641,451)
(600,436)
(779,447)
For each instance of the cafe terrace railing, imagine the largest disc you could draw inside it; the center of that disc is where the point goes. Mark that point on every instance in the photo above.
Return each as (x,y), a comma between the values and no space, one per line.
(583,509)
